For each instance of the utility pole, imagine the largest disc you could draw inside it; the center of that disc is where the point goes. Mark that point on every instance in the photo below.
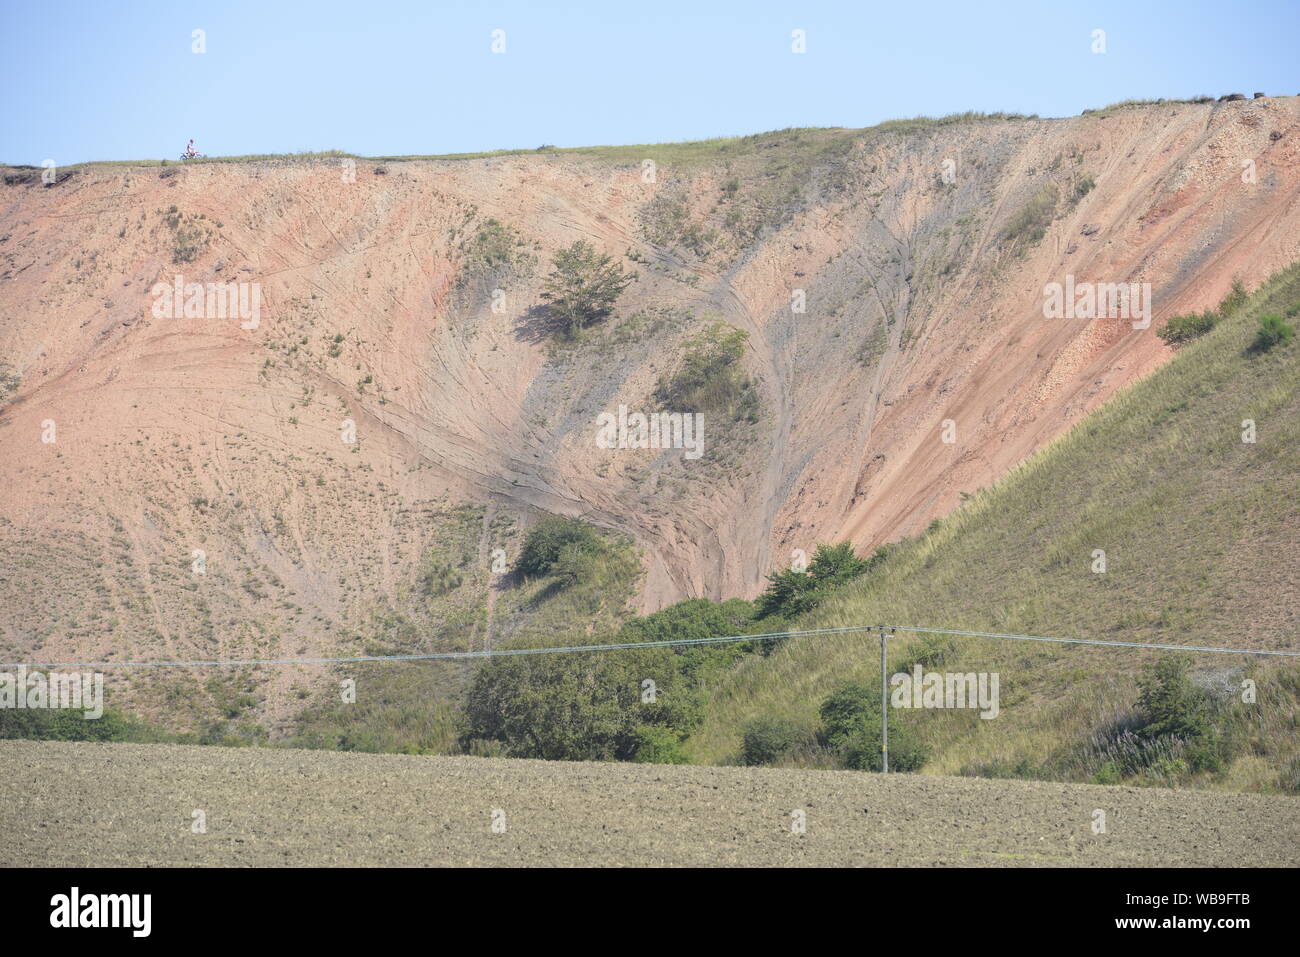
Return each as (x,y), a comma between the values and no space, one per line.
(884,704)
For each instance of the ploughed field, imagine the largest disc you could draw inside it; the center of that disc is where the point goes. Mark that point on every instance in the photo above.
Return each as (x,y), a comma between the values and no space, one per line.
(126,804)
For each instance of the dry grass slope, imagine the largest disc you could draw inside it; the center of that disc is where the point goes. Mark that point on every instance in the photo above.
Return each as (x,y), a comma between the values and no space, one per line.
(1201,533)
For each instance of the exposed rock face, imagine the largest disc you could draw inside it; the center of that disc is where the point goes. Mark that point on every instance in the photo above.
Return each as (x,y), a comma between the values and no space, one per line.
(921,256)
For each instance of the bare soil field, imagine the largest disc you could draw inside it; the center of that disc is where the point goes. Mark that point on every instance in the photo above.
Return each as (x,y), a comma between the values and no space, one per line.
(122,804)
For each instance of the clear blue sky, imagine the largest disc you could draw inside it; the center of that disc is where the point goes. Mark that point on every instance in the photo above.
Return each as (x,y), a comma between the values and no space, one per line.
(105,80)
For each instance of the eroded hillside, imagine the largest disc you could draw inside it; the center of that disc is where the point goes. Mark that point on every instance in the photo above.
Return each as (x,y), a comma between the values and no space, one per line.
(404,302)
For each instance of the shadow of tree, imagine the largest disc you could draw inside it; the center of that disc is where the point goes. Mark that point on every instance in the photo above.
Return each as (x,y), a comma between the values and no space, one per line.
(507,580)
(539,324)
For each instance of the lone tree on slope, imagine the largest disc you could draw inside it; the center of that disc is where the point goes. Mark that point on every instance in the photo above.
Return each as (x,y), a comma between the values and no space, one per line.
(584,285)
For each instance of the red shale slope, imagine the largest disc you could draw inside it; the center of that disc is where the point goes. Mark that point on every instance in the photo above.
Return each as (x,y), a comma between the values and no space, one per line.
(174,435)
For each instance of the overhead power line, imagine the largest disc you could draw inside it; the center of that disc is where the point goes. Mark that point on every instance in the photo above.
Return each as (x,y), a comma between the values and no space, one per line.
(672,642)
(1096,641)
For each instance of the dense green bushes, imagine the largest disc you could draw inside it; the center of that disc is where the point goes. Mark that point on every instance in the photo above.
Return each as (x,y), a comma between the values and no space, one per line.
(850,732)
(598,706)
(58,724)
(851,728)
(628,705)
(699,618)
(656,744)
(1178,728)
(555,538)
(767,740)
(1272,332)
(580,706)
(1170,703)
(1193,325)
(1187,327)
(791,592)
(1173,707)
